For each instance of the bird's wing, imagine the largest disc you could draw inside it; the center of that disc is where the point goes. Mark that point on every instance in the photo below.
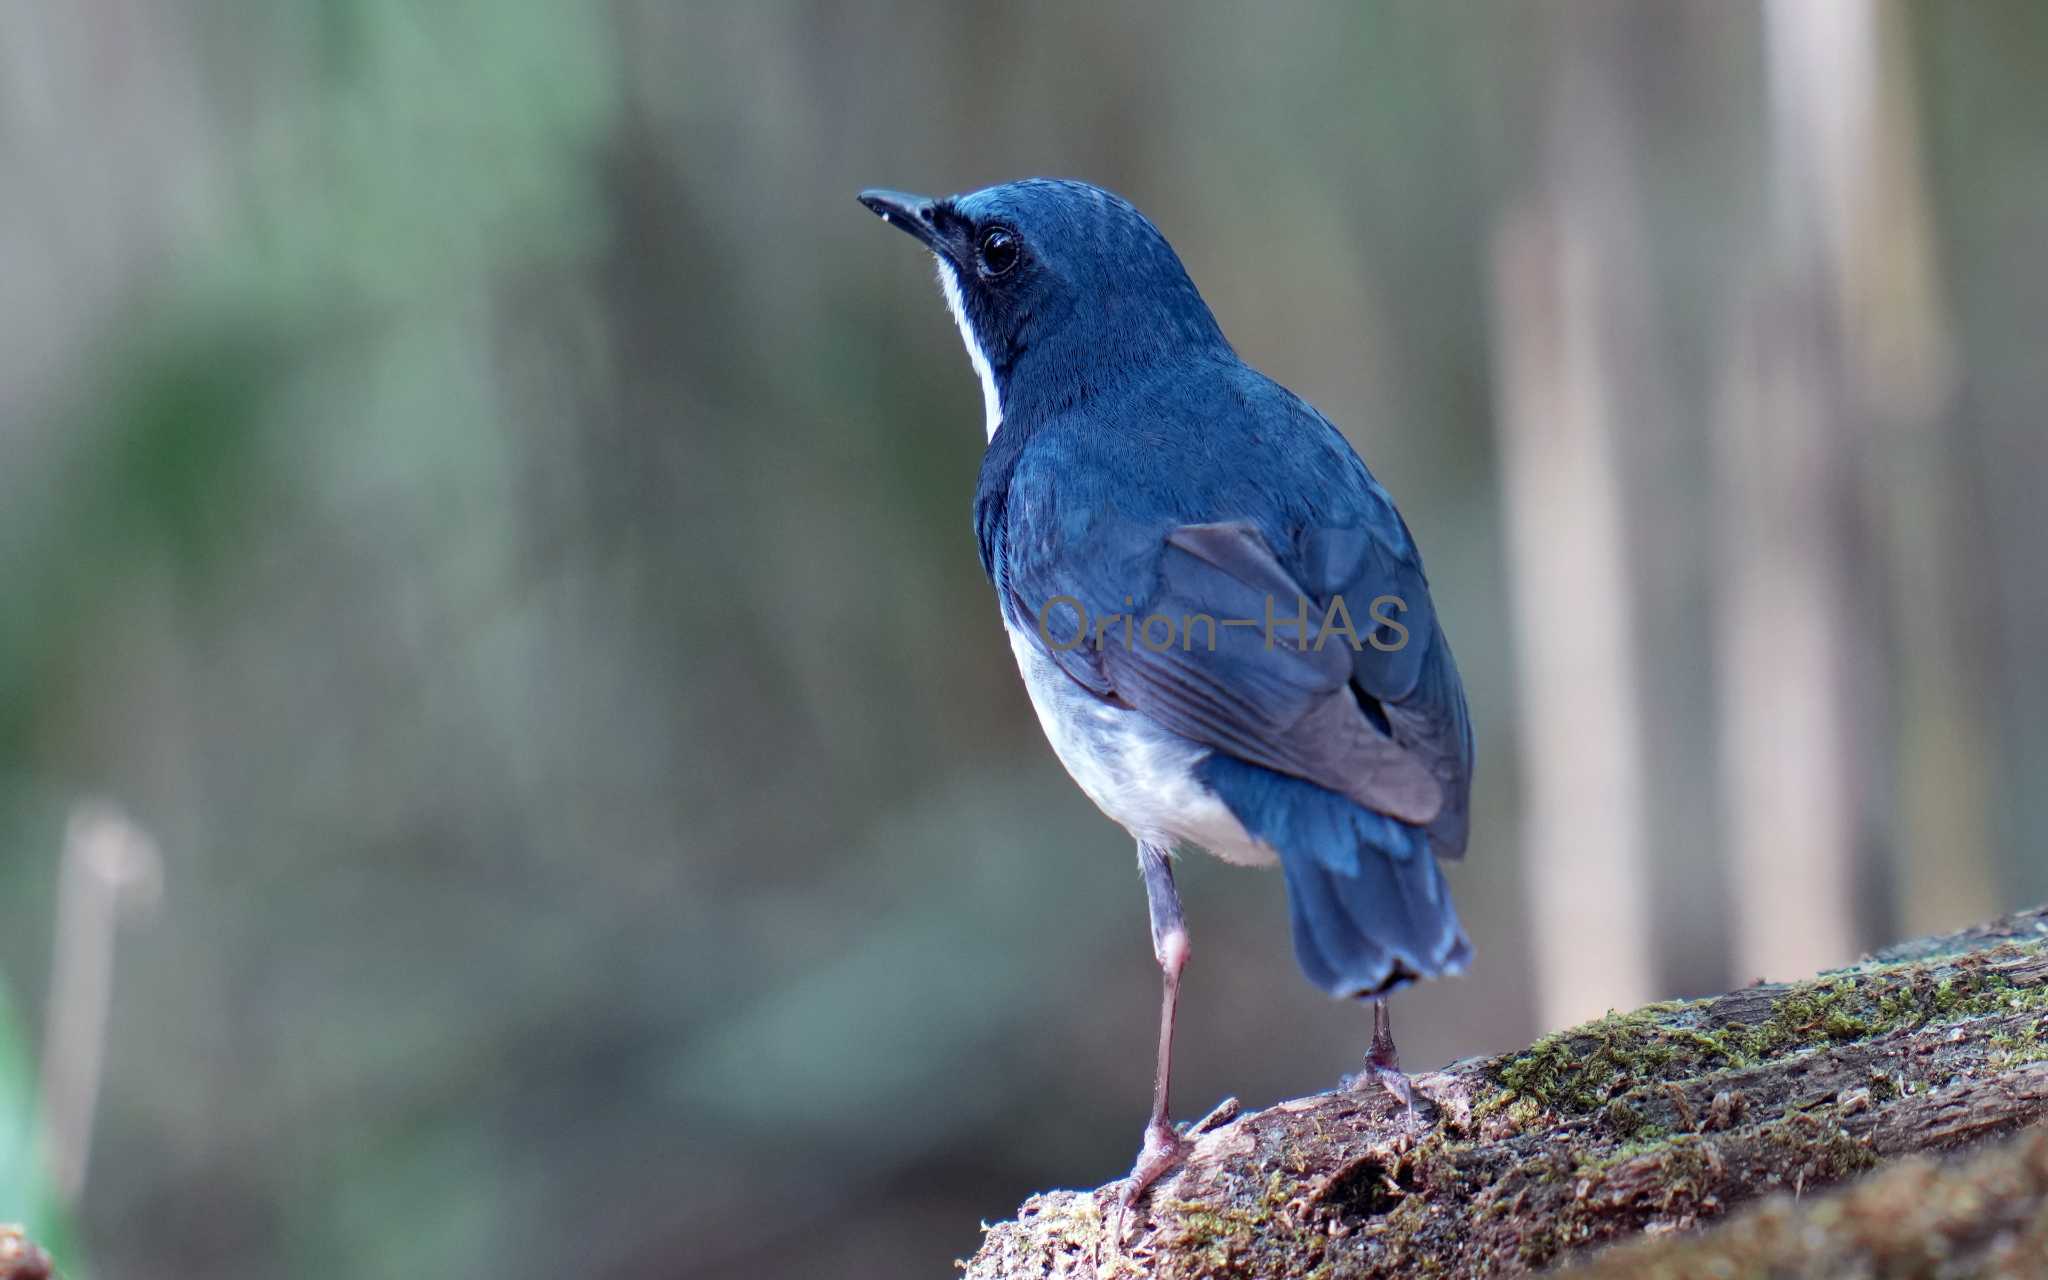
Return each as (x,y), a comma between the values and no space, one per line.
(1411,674)
(1278,696)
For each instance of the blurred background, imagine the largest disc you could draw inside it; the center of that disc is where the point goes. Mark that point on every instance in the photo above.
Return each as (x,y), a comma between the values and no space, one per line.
(509,765)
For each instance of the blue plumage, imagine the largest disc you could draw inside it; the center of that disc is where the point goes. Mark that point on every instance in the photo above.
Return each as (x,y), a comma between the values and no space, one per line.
(1369,906)
(1138,470)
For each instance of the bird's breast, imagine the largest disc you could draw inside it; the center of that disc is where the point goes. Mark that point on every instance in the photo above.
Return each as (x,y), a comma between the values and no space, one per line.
(1141,775)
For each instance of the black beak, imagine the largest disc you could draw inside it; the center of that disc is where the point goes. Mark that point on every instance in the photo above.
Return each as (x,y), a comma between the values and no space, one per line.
(933,224)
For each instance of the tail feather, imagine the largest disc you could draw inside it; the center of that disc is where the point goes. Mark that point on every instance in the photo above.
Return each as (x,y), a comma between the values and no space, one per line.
(1370,934)
(1370,908)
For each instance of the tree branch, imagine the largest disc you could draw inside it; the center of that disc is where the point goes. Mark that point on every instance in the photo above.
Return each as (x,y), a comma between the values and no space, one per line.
(1644,1122)
(1987,1216)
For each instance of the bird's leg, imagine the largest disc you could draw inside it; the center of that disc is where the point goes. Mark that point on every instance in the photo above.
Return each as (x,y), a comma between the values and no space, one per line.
(1383,1062)
(1164,1148)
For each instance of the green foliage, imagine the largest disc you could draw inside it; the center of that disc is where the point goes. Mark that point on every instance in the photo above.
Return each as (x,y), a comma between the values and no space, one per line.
(440,144)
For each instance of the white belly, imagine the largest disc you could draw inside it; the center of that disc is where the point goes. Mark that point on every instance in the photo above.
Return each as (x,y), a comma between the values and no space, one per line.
(1139,774)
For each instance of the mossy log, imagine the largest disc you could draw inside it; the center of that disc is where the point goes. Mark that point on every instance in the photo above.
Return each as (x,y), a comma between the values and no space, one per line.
(1982,1217)
(1643,1123)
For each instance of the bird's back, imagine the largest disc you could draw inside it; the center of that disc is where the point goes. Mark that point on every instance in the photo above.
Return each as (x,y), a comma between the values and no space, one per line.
(1084,503)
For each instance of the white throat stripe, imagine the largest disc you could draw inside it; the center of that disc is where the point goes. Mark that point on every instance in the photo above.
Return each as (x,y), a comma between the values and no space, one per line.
(991,404)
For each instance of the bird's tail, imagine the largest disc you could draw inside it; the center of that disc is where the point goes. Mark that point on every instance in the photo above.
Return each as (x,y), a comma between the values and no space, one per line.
(1371,933)
(1370,907)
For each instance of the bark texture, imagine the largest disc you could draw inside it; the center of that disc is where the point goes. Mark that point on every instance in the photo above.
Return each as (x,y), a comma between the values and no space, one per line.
(1986,1218)
(1643,1123)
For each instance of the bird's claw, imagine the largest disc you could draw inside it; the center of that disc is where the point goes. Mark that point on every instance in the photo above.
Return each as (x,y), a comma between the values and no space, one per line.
(1163,1150)
(1396,1082)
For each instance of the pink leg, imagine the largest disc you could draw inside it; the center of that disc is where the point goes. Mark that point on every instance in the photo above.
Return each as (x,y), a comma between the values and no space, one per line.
(1164,1147)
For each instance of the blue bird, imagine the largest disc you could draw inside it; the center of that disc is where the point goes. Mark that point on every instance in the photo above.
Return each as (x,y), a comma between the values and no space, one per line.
(1221,619)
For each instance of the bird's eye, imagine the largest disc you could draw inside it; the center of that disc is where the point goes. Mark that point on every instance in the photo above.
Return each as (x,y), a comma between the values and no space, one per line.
(999,252)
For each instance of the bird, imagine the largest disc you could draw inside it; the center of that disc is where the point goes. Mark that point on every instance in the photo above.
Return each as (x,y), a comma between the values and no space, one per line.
(1221,620)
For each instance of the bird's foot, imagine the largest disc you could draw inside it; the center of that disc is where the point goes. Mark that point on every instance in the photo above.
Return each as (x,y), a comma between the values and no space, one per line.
(1164,1149)
(1394,1080)
(1383,1066)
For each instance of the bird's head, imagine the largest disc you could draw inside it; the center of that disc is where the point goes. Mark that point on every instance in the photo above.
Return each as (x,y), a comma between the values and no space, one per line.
(1061,290)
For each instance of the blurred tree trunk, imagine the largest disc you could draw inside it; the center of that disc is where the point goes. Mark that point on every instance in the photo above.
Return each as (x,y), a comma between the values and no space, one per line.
(1841,589)
(1790,647)
(1568,302)
(1896,335)
(1976,70)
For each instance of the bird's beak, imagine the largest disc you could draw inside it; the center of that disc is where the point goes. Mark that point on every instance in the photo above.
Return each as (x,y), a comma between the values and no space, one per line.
(931,222)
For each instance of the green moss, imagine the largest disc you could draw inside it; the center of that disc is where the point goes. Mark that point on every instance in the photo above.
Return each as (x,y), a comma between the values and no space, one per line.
(1623,1120)
(1590,1068)
(2021,1045)
(1808,1149)
(1587,1068)
(1577,1070)
(1246,1239)
(1831,1010)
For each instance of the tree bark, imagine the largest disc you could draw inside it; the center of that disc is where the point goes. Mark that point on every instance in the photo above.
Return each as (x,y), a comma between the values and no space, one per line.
(1987,1216)
(1643,1123)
